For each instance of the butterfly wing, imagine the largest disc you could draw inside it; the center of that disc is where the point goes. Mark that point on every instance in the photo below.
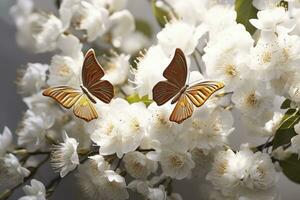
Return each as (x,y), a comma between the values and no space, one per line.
(84,109)
(175,74)
(183,109)
(163,91)
(92,72)
(69,97)
(103,90)
(64,95)
(200,92)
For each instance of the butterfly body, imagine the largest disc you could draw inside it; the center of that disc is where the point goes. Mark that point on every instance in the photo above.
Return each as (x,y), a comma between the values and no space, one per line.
(82,100)
(181,93)
(85,91)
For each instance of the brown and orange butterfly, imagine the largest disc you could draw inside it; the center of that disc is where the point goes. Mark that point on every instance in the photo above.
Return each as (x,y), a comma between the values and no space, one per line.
(175,87)
(92,86)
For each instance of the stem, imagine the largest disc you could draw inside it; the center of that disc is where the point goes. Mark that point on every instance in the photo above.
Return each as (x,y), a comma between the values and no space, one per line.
(119,163)
(263,146)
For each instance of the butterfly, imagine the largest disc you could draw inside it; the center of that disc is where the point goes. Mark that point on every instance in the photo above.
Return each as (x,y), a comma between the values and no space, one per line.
(82,100)
(183,95)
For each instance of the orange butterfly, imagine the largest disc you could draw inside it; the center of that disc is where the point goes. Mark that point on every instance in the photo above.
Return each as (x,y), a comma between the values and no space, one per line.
(175,86)
(92,86)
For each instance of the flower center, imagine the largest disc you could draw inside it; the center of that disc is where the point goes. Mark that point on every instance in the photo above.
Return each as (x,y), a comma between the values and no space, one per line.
(252,100)
(221,168)
(230,70)
(176,161)
(266,57)
(64,70)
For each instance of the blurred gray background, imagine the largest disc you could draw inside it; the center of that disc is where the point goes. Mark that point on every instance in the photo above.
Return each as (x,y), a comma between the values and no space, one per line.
(11,106)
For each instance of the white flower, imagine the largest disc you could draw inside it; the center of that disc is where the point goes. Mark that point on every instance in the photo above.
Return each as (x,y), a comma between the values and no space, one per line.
(226,18)
(254,100)
(100,162)
(121,25)
(148,192)
(262,173)
(39,32)
(209,128)
(178,34)
(150,68)
(86,15)
(66,67)
(70,46)
(36,191)
(114,186)
(21,10)
(265,4)
(64,156)
(76,129)
(274,20)
(117,69)
(177,165)
(235,172)
(190,11)
(281,154)
(227,56)
(122,128)
(138,166)
(11,171)
(33,79)
(134,42)
(163,133)
(64,70)
(36,125)
(5,141)
(102,185)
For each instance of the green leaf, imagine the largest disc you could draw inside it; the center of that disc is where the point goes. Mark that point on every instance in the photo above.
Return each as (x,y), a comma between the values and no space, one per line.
(286,104)
(161,14)
(136,98)
(286,130)
(245,11)
(291,168)
(143,27)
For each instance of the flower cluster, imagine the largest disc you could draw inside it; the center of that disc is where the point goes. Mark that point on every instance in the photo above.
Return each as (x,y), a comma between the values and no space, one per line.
(133,148)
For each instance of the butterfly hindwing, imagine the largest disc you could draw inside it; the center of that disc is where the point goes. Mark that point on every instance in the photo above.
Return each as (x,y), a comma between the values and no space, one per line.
(200,92)
(183,109)
(84,109)
(164,91)
(176,72)
(64,95)
(103,90)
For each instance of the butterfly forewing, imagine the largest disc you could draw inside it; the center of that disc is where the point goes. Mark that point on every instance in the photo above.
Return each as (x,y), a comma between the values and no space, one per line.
(176,72)
(164,91)
(200,92)
(92,72)
(91,69)
(66,96)
(183,110)
(84,109)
